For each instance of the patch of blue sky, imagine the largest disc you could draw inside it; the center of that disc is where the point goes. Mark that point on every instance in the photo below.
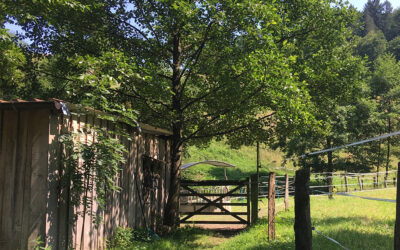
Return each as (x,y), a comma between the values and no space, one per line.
(359,4)
(17,30)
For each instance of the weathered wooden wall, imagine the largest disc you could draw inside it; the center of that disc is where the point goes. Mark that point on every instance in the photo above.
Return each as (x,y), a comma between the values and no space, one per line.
(32,202)
(23,176)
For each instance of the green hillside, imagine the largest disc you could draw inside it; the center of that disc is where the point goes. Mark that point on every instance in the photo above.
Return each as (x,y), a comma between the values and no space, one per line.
(244,158)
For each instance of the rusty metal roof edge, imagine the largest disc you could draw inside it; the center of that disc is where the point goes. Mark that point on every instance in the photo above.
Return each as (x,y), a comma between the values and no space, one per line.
(60,106)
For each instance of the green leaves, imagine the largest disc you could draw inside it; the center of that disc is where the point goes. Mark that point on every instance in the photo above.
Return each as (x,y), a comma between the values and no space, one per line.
(91,166)
(12,62)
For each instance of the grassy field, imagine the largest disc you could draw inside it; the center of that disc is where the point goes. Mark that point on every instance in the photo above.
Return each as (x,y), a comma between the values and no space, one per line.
(355,223)
(245,159)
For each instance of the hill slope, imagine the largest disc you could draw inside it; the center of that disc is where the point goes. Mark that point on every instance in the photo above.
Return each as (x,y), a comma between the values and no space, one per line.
(244,158)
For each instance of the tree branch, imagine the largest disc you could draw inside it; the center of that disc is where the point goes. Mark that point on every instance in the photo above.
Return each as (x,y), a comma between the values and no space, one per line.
(225,111)
(225,132)
(143,98)
(294,35)
(213,91)
(195,56)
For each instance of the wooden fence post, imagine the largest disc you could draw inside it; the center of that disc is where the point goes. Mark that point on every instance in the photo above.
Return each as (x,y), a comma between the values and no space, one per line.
(302,221)
(397,223)
(394,181)
(254,198)
(374,180)
(271,206)
(377,180)
(248,197)
(360,183)
(385,182)
(346,183)
(286,192)
(330,185)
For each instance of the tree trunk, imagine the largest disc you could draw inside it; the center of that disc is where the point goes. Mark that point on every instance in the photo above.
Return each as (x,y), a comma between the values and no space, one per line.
(330,168)
(171,217)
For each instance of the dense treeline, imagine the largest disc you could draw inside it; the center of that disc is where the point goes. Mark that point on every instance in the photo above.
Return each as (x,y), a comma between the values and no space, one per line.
(299,75)
(374,110)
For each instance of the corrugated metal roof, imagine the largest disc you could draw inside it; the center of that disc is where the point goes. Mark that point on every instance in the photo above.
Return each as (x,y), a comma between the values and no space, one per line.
(64,107)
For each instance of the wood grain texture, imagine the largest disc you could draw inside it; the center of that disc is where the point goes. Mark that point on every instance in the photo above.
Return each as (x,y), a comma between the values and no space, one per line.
(10,142)
(32,201)
(271,206)
(53,182)
(38,181)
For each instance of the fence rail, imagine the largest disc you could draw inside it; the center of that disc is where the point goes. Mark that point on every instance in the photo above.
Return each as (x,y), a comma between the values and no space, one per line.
(341,182)
(212,197)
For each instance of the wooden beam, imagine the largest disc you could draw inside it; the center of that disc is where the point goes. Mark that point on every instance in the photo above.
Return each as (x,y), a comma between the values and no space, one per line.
(286,192)
(213,194)
(213,182)
(221,203)
(271,206)
(216,213)
(213,222)
(254,198)
(211,202)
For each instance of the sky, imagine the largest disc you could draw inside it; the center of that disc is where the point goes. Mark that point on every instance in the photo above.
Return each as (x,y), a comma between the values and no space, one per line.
(359,4)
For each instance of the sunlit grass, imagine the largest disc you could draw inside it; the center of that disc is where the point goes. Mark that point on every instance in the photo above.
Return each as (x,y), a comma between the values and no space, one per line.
(355,223)
(245,159)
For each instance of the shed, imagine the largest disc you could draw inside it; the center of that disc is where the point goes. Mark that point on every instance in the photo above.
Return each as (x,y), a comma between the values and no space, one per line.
(32,203)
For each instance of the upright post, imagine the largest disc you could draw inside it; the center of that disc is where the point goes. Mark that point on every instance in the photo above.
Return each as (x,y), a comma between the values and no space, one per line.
(271,206)
(302,221)
(374,181)
(385,181)
(346,183)
(258,159)
(377,180)
(359,183)
(287,192)
(397,223)
(330,185)
(254,198)
(248,200)
(394,181)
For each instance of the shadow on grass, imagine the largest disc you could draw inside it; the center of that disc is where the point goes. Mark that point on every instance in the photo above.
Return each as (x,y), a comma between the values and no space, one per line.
(369,235)
(357,220)
(191,238)
(340,229)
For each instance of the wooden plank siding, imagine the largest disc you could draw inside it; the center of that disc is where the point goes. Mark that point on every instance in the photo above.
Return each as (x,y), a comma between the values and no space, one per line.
(32,200)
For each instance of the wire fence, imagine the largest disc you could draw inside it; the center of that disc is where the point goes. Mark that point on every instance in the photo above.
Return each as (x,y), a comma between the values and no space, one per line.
(333,182)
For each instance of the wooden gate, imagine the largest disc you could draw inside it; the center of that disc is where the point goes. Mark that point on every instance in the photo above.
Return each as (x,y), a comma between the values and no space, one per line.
(214,203)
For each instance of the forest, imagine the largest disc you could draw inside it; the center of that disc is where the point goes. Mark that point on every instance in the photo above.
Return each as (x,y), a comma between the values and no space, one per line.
(294,75)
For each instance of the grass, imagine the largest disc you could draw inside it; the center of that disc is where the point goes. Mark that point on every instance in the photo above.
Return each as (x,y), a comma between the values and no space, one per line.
(355,223)
(244,158)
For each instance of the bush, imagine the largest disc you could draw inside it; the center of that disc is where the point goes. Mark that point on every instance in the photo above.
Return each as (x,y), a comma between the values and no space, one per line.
(127,238)
(121,239)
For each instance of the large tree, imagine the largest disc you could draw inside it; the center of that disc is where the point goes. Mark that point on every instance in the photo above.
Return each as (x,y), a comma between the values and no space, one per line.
(200,68)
